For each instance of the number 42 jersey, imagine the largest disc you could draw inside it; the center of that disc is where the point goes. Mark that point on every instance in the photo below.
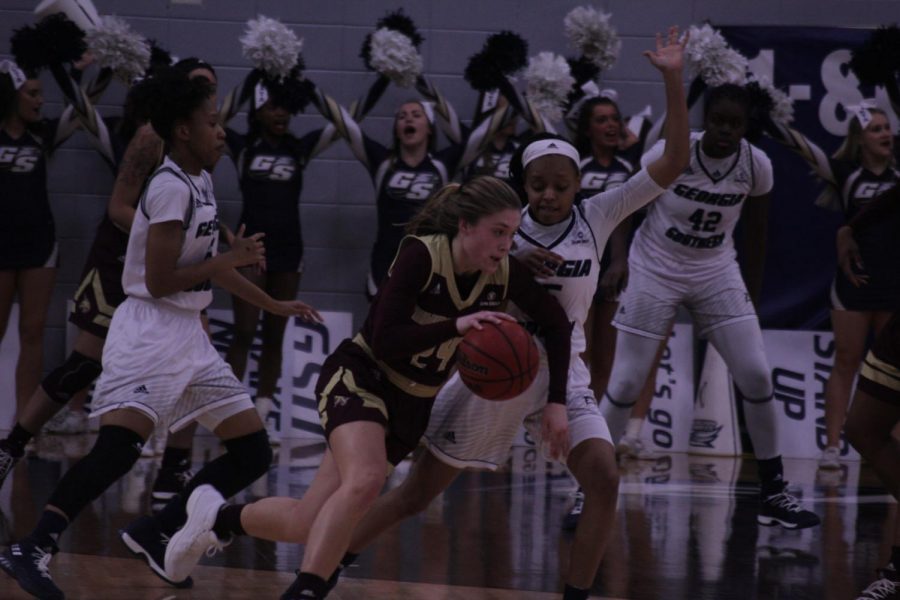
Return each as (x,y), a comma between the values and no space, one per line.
(689,229)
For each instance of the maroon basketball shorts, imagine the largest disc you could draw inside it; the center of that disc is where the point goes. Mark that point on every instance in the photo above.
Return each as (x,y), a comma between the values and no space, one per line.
(352,388)
(880,372)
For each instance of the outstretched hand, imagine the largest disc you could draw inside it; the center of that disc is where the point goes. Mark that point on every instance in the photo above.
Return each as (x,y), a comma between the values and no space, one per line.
(295,308)
(246,251)
(669,54)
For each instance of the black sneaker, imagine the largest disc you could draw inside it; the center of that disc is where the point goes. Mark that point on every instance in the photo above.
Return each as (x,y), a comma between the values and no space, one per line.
(783,508)
(570,521)
(887,587)
(143,538)
(29,565)
(169,483)
(8,460)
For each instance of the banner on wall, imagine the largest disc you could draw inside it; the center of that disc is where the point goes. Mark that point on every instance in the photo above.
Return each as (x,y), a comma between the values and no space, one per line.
(668,424)
(9,354)
(811,65)
(801,362)
(305,348)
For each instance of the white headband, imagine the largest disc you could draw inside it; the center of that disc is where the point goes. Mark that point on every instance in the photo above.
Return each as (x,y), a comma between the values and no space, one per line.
(863,112)
(592,90)
(547,147)
(14,72)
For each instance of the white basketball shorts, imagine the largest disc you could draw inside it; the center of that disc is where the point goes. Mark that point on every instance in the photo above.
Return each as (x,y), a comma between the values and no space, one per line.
(159,361)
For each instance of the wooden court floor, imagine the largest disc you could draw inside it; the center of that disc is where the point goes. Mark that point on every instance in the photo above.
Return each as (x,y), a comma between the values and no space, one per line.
(686,529)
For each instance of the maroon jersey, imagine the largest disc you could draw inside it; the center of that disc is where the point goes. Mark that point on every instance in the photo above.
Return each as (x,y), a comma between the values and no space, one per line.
(411,328)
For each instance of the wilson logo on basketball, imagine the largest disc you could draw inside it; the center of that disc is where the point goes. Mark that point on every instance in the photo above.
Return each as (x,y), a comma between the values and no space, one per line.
(498,362)
(470,365)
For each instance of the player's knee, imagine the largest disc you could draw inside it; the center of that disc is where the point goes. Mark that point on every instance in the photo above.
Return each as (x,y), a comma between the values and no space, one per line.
(252,453)
(603,484)
(413,500)
(363,486)
(846,361)
(71,377)
(623,392)
(756,386)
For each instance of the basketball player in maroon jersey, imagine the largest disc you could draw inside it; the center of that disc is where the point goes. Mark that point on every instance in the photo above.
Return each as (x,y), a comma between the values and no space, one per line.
(375,392)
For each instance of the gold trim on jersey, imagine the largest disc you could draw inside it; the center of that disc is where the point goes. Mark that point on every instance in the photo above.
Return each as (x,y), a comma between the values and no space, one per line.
(880,372)
(439,249)
(400,381)
(105,310)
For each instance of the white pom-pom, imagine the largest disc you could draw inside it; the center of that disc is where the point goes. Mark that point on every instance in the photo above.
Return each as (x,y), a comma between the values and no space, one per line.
(394,56)
(116,46)
(709,56)
(782,104)
(549,81)
(590,32)
(271,46)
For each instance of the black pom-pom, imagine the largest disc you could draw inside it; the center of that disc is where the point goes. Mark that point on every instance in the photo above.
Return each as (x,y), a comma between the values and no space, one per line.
(293,93)
(508,50)
(760,106)
(399,21)
(482,73)
(583,70)
(52,41)
(159,57)
(877,60)
(503,53)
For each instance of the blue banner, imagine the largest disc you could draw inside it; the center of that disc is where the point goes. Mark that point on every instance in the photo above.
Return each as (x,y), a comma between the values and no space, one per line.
(811,65)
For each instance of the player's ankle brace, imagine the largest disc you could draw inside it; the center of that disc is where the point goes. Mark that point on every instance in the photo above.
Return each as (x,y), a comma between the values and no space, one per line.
(76,374)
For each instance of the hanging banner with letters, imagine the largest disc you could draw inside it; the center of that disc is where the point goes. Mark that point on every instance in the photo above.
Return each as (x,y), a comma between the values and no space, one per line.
(811,65)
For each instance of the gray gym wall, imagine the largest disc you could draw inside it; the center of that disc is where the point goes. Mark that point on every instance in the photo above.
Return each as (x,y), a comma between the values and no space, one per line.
(337,204)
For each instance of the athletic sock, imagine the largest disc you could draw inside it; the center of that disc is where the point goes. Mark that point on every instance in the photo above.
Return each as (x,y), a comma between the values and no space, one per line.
(48,529)
(228,521)
(17,439)
(633,429)
(771,476)
(308,583)
(176,459)
(895,557)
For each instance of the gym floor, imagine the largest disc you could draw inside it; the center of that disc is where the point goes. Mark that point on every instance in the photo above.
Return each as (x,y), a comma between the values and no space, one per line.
(686,529)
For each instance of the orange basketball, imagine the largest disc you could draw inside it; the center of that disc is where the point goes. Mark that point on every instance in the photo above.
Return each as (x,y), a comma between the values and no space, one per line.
(499,362)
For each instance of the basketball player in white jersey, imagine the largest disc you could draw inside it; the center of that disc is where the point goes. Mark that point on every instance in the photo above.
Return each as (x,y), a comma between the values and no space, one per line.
(683,254)
(158,363)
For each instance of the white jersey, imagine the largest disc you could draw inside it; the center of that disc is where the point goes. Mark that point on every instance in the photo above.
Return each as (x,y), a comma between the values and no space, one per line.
(689,229)
(580,240)
(173,195)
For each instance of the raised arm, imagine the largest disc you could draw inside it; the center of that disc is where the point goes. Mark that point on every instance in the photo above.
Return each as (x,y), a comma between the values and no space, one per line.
(358,110)
(802,145)
(449,121)
(669,60)
(144,152)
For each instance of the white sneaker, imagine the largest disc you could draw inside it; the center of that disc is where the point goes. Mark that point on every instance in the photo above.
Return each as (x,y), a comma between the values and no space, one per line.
(831,458)
(269,416)
(196,537)
(633,447)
